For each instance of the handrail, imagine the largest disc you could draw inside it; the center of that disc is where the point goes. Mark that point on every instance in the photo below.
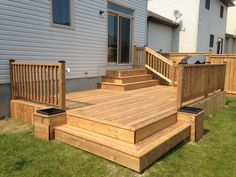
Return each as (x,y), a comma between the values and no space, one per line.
(159,56)
(156,63)
(177,57)
(41,83)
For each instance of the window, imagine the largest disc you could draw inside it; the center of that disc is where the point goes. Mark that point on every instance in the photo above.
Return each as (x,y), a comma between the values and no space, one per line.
(221,11)
(211,40)
(61,12)
(120,9)
(207,4)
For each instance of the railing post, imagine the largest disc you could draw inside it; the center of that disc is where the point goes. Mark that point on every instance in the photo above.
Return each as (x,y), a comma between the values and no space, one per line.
(224,77)
(173,73)
(134,56)
(209,57)
(145,56)
(62,78)
(180,86)
(11,79)
(207,84)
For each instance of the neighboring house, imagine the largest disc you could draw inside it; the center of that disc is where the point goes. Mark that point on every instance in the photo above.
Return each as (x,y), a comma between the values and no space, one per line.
(90,35)
(202,25)
(230,38)
(161,32)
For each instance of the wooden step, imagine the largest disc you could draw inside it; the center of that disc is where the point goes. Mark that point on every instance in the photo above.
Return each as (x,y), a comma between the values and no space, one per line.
(134,156)
(123,73)
(127,79)
(129,86)
(129,134)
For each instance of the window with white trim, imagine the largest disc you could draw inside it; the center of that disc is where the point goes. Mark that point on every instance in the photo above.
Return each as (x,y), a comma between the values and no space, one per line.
(61,12)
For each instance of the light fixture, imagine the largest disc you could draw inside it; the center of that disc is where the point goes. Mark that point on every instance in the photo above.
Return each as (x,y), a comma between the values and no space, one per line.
(101,12)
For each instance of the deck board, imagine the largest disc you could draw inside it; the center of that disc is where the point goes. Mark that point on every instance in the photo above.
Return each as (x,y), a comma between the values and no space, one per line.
(134,109)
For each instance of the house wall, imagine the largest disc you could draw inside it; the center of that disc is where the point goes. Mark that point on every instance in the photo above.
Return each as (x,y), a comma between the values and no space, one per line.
(230,45)
(185,36)
(26,34)
(160,36)
(231,22)
(210,23)
(230,42)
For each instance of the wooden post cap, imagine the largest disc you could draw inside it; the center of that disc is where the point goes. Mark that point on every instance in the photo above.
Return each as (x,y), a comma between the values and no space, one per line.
(61,61)
(12,60)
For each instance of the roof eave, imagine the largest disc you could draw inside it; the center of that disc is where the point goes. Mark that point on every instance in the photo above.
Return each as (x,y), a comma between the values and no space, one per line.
(228,3)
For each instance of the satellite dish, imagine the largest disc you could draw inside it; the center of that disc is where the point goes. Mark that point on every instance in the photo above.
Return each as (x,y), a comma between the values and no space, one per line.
(177,14)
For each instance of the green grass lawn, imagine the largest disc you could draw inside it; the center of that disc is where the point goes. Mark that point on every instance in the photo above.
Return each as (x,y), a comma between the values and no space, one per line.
(214,155)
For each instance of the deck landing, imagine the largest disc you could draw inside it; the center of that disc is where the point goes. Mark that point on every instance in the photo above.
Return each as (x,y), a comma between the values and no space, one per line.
(132,109)
(130,116)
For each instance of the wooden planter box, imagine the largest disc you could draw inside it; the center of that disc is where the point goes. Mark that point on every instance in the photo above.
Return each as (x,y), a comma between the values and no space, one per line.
(44,125)
(197,124)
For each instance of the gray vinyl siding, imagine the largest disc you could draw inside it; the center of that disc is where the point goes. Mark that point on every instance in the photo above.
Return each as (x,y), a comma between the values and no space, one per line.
(26,34)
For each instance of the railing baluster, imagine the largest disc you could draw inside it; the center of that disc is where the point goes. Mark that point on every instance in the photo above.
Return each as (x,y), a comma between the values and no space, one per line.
(15,80)
(57,86)
(43,83)
(31,82)
(35,84)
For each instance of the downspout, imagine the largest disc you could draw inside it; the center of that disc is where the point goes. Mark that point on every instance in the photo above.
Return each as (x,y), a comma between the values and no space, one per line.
(197,26)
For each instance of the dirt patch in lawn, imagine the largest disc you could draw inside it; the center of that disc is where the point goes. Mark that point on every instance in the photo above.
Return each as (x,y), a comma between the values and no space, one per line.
(10,125)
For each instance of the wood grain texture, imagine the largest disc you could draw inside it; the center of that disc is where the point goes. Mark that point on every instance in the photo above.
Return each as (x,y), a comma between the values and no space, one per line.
(156,63)
(125,80)
(24,110)
(199,80)
(197,124)
(134,156)
(38,83)
(129,116)
(230,78)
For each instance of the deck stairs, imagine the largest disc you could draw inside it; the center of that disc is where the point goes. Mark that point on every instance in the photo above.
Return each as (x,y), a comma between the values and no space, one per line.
(130,146)
(124,80)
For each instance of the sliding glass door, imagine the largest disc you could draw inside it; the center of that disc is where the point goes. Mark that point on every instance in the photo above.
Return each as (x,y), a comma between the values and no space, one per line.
(119,34)
(112,38)
(124,40)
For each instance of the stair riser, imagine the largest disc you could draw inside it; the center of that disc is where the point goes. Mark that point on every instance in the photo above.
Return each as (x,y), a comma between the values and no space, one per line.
(100,150)
(128,87)
(159,151)
(130,136)
(111,87)
(154,127)
(125,73)
(136,163)
(126,80)
(141,85)
(102,128)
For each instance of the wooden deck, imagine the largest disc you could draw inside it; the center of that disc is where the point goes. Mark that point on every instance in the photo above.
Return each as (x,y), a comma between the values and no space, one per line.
(133,109)
(132,128)
(129,116)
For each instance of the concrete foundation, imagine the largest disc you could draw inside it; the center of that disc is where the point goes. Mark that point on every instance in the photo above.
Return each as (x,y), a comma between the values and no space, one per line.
(5,97)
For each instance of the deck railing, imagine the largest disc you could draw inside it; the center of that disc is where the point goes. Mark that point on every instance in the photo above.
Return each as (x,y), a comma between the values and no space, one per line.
(156,63)
(41,83)
(177,57)
(196,81)
(230,79)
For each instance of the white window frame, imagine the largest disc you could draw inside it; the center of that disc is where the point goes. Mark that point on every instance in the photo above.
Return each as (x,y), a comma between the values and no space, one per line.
(131,17)
(72,19)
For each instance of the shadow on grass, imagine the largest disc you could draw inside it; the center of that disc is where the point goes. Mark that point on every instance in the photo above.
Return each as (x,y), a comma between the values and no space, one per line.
(206,131)
(170,152)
